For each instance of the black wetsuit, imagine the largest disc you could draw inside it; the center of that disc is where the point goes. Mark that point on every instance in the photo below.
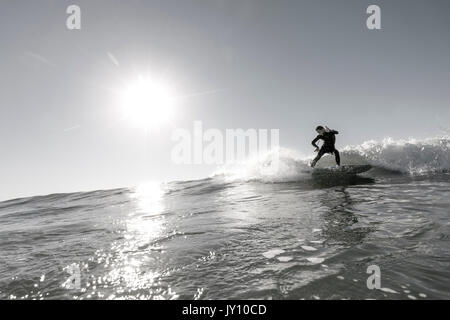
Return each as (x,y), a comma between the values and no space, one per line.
(328,146)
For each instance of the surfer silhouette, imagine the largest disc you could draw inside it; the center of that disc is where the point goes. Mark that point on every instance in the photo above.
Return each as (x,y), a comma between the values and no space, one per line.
(329,139)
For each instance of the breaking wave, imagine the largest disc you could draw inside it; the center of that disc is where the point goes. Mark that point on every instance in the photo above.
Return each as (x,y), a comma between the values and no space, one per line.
(412,156)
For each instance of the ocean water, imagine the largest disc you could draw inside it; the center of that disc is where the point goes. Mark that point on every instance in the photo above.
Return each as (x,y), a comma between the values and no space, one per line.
(253,231)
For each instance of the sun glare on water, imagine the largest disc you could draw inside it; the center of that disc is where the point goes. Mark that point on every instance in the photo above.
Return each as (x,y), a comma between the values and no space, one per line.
(148,102)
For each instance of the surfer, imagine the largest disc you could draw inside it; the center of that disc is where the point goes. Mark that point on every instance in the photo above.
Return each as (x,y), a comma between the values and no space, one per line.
(329,138)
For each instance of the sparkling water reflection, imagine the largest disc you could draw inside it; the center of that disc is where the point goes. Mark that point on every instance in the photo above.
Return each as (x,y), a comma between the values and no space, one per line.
(211,239)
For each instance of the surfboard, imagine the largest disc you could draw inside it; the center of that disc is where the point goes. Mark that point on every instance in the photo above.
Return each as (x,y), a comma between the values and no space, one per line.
(343,170)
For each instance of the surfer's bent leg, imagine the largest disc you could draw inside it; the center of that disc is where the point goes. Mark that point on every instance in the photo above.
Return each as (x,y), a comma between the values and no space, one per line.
(317,158)
(338,157)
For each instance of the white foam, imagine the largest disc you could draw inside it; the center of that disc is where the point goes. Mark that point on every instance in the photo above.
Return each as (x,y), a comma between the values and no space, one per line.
(308,248)
(413,156)
(284,259)
(281,165)
(388,290)
(272,253)
(315,260)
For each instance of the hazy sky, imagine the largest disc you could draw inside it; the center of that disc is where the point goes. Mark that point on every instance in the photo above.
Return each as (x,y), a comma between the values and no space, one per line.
(238,63)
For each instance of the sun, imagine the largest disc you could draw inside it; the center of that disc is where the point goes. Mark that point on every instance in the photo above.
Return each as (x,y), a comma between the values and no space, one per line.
(148,102)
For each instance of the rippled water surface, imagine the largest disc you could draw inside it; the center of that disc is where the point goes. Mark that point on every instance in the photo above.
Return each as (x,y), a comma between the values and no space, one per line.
(212,239)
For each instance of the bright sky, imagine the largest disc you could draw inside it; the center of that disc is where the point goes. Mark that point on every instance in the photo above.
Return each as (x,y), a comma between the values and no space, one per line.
(289,65)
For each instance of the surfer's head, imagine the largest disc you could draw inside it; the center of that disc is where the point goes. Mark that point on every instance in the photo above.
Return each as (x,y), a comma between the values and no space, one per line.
(320,129)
